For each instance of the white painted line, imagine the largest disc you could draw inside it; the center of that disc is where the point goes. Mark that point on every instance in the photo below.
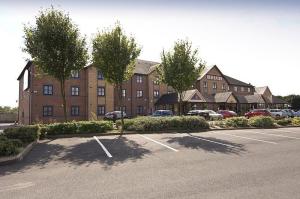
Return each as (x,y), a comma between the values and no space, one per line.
(103,147)
(270,134)
(286,131)
(228,145)
(247,138)
(159,143)
(16,186)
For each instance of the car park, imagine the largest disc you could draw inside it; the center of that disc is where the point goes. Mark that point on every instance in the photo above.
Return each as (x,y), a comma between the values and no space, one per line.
(162,113)
(114,115)
(278,113)
(257,112)
(199,113)
(289,112)
(296,113)
(227,113)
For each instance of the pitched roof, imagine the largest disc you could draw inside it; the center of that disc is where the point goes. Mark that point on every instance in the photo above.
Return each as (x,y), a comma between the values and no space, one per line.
(222,97)
(207,69)
(277,100)
(237,82)
(261,90)
(255,99)
(24,69)
(188,96)
(144,67)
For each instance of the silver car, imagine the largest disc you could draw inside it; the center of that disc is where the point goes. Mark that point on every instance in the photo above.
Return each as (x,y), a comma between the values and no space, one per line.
(114,115)
(213,115)
(277,113)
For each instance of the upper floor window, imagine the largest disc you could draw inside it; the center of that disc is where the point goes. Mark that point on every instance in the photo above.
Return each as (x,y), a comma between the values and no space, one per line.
(48,90)
(236,89)
(123,92)
(139,79)
(139,94)
(223,87)
(205,84)
(47,111)
(101,110)
(156,81)
(74,74)
(74,110)
(74,90)
(156,93)
(101,91)
(214,85)
(214,77)
(249,90)
(100,75)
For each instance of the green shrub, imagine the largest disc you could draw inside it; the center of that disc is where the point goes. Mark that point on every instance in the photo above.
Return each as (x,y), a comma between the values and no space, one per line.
(261,122)
(83,127)
(165,123)
(284,122)
(26,134)
(296,121)
(236,122)
(9,146)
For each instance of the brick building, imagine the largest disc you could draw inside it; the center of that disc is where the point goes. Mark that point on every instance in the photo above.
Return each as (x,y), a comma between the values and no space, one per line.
(89,96)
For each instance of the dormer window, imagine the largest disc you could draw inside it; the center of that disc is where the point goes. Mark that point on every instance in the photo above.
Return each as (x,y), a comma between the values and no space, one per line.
(75,74)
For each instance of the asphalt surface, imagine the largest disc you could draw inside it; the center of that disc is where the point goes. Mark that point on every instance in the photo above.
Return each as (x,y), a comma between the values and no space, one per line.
(222,164)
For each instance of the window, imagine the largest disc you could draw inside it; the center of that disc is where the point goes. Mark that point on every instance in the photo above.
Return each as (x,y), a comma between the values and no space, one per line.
(139,94)
(228,88)
(214,85)
(205,84)
(101,91)
(214,77)
(47,111)
(101,110)
(223,87)
(75,74)
(48,90)
(140,110)
(156,81)
(74,91)
(235,88)
(123,92)
(249,90)
(242,89)
(122,109)
(74,110)
(100,75)
(139,79)
(156,93)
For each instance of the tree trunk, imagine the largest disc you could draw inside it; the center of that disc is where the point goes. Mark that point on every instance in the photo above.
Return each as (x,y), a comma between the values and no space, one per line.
(180,104)
(63,95)
(121,106)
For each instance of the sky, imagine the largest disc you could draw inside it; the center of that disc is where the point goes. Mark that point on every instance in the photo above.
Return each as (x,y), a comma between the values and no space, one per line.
(257,42)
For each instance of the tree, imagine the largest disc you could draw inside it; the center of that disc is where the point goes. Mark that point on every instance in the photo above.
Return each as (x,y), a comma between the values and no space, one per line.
(115,55)
(56,47)
(180,68)
(8,109)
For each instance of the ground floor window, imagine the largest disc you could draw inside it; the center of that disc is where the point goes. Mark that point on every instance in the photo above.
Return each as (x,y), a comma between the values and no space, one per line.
(101,110)
(140,110)
(47,111)
(74,110)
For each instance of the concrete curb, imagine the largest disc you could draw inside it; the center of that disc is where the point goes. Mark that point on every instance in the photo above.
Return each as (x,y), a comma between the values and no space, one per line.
(18,157)
(157,132)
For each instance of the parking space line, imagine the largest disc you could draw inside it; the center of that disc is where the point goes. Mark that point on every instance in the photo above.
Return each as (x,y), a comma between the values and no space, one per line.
(207,140)
(270,134)
(158,143)
(247,138)
(103,147)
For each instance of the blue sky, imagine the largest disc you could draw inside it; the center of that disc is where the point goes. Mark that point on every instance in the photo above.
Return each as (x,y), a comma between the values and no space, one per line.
(254,41)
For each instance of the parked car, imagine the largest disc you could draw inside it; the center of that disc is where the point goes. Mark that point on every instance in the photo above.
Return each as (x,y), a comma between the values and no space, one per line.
(199,113)
(213,115)
(227,113)
(114,115)
(257,112)
(277,113)
(162,113)
(296,113)
(289,112)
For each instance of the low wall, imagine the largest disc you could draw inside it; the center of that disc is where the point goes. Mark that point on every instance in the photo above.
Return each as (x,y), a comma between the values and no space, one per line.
(8,117)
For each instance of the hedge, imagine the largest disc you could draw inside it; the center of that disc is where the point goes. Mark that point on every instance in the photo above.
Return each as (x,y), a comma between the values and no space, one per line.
(83,127)
(26,134)
(165,123)
(262,122)
(284,122)
(9,146)
(236,122)
(296,121)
